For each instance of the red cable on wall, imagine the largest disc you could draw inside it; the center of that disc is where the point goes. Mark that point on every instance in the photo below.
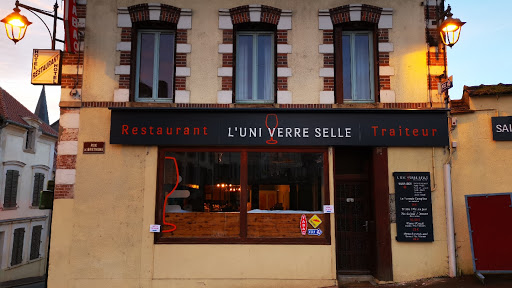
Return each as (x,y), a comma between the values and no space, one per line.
(169,194)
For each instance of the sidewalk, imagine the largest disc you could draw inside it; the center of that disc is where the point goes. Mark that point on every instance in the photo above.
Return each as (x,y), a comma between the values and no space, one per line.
(31,282)
(467,281)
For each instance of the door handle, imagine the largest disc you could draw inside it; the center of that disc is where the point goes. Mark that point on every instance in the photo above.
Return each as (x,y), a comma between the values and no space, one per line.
(365,225)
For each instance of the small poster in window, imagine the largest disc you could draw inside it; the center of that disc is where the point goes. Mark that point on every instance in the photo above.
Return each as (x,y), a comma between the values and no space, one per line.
(154,228)
(329,209)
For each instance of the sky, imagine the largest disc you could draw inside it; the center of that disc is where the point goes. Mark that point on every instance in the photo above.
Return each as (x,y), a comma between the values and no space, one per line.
(482,55)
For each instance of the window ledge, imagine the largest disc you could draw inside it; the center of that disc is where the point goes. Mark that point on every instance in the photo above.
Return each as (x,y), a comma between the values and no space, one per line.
(35,260)
(358,105)
(31,151)
(326,240)
(150,104)
(10,208)
(9,267)
(255,105)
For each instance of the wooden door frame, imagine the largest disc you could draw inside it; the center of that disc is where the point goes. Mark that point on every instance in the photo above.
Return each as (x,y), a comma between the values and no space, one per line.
(379,194)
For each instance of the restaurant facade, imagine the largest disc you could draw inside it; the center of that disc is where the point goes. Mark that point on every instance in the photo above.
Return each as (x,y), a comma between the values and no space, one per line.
(231,143)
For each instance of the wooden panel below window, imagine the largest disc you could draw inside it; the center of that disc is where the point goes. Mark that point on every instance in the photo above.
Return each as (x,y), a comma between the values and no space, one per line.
(277,225)
(203,225)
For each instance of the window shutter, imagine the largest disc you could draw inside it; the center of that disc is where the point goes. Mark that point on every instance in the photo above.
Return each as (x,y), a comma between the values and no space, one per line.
(38,187)
(11,188)
(36,242)
(17,246)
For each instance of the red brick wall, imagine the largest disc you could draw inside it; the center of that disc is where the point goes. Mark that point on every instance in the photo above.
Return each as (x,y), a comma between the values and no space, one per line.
(328,83)
(282,36)
(385,82)
(328,37)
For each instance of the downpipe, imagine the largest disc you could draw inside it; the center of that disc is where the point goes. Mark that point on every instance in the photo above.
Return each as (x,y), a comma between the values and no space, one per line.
(450,231)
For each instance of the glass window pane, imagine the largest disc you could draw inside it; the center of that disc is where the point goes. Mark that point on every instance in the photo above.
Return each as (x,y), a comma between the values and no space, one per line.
(347,67)
(265,68)
(204,200)
(244,67)
(281,187)
(293,181)
(166,66)
(146,62)
(362,67)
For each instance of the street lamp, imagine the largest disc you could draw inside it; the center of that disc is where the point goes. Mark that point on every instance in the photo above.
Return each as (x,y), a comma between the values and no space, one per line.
(16,24)
(450,28)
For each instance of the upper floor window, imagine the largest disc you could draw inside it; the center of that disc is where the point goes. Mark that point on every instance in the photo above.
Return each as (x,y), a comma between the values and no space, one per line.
(30,140)
(355,54)
(38,187)
(11,188)
(255,68)
(155,65)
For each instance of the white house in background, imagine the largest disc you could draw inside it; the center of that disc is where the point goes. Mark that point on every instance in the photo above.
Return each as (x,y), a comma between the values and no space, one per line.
(27,145)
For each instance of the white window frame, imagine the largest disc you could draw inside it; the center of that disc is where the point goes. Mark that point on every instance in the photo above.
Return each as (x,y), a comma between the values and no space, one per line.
(156,62)
(255,88)
(353,76)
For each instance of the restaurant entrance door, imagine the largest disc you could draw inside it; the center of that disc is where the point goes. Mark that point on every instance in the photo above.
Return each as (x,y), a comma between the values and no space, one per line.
(355,225)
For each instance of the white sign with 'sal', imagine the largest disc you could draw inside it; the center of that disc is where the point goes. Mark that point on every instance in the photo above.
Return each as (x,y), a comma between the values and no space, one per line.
(46,65)
(154,228)
(328,208)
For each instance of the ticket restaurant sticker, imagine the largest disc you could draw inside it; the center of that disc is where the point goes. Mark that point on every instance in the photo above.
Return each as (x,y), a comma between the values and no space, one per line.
(315,221)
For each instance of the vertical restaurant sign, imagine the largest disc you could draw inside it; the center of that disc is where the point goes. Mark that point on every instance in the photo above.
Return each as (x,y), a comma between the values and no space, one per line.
(502,128)
(413,203)
(71,26)
(46,67)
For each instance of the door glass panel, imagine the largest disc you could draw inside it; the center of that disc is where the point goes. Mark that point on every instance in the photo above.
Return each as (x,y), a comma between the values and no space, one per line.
(347,67)
(166,66)
(362,67)
(147,54)
(244,67)
(265,67)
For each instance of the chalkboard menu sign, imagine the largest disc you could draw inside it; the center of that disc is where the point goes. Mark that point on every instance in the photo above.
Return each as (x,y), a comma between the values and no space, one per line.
(413,203)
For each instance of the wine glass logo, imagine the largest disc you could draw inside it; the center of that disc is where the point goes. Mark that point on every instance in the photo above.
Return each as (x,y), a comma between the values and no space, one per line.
(175,164)
(271,121)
